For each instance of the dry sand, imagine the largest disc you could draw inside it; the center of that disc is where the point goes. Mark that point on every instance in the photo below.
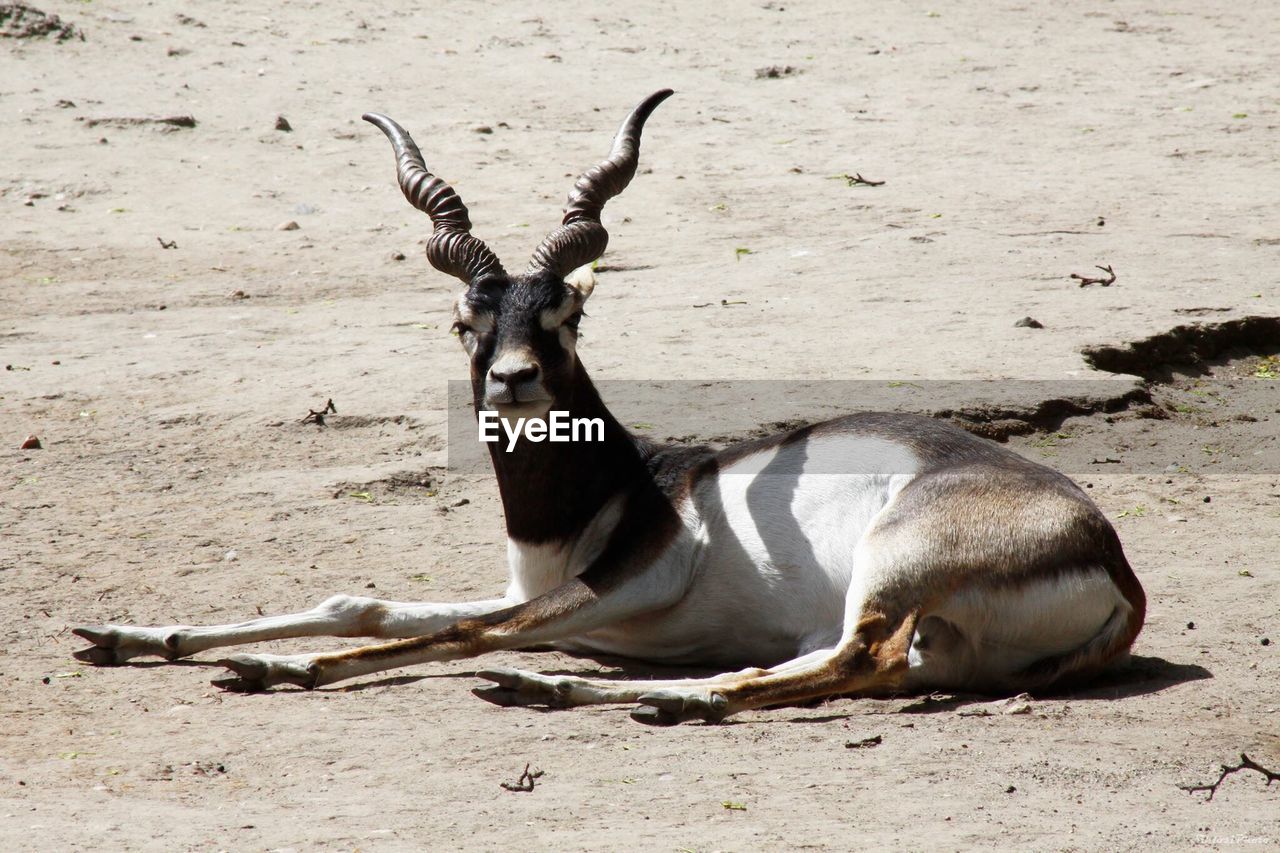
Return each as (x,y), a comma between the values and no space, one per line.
(1018,143)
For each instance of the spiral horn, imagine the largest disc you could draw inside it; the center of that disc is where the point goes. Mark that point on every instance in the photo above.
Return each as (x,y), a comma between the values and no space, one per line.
(451,249)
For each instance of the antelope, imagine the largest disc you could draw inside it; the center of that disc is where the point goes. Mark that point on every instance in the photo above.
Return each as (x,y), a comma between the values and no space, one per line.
(871,554)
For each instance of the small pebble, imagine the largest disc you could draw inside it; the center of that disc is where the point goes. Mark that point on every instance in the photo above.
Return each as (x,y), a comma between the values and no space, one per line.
(482,128)
(1191,626)
(32,443)
(1266,641)
(1207,499)
(288,226)
(231,556)
(1029,323)
(397,256)
(282,123)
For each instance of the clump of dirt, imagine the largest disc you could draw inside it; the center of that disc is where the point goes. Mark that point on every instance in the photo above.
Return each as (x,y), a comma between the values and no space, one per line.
(401,487)
(165,124)
(1206,407)
(1215,389)
(20,21)
(361,421)
(1187,346)
(1001,423)
(776,72)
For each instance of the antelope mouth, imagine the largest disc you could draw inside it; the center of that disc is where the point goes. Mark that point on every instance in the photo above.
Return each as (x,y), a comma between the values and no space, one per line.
(529,407)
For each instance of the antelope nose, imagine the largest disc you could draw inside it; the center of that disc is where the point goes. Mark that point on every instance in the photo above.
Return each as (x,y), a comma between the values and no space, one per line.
(512,375)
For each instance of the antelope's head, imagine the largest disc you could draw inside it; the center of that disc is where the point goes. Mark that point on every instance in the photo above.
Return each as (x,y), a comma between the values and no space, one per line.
(520,331)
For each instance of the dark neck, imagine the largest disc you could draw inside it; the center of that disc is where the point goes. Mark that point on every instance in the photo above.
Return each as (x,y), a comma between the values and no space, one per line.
(551,490)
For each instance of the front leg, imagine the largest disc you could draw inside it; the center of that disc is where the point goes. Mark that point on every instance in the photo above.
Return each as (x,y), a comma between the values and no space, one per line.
(339,616)
(577,606)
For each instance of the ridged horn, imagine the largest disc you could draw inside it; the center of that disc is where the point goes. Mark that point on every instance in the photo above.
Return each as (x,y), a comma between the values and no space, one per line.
(581,238)
(451,249)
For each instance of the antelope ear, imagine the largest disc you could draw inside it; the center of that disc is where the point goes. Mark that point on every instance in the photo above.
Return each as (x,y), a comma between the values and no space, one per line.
(582,280)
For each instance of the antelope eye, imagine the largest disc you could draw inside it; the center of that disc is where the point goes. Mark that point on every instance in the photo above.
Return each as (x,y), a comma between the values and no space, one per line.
(574,319)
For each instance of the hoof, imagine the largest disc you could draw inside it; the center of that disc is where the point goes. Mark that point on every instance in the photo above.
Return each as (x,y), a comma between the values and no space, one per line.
(258,672)
(235,685)
(96,656)
(653,717)
(504,698)
(102,652)
(524,688)
(99,635)
(250,675)
(506,694)
(503,677)
(670,707)
(114,644)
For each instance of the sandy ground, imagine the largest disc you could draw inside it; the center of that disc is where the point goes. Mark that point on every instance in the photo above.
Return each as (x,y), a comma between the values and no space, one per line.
(1018,143)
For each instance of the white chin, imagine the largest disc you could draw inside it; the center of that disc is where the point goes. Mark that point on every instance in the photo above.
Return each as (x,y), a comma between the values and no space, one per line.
(525,409)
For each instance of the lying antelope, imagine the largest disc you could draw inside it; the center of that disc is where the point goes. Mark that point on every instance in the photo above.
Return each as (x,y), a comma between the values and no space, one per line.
(931,559)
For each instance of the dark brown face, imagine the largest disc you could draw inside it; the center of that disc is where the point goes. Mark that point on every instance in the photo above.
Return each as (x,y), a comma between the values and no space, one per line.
(521,333)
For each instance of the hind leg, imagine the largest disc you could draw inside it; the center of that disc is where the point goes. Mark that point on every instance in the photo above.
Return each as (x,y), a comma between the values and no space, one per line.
(521,687)
(872,657)
(880,618)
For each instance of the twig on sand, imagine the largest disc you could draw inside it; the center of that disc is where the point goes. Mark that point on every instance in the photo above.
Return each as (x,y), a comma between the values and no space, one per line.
(856,179)
(167,244)
(525,782)
(1246,763)
(1085,281)
(317,418)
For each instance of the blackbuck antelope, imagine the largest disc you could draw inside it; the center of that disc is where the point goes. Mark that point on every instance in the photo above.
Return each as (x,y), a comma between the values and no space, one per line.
(869,554)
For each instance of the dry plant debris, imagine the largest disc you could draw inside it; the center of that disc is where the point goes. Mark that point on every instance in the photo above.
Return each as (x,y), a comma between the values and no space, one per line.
(317,418)
(1246,763)
(525,782)
(1085,280)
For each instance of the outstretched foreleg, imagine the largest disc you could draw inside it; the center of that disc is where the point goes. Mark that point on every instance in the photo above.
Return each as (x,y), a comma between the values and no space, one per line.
(578,606)
(339,616)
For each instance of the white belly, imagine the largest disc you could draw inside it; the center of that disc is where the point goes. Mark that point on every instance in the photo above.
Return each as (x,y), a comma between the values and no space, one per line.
(772,542)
